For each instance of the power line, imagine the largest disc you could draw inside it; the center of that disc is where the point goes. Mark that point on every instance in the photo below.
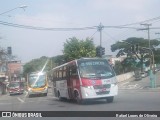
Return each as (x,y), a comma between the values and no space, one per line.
(77,29)
(149,20)
(120,27)
(44,28)
(94,34)
(109,36)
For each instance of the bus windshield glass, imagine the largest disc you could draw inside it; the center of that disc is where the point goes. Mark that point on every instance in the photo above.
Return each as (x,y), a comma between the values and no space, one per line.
(36,81)
(14,84)
(98,69)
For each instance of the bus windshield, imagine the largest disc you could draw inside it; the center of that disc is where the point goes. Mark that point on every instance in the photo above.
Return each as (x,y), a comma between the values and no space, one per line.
(98,69)
(36,81)
(14,84)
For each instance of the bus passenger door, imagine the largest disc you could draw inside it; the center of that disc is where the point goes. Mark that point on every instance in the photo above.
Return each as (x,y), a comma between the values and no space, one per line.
(73,80)
(69,83)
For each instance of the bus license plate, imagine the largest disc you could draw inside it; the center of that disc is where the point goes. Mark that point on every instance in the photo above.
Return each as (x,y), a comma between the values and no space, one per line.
(103,90)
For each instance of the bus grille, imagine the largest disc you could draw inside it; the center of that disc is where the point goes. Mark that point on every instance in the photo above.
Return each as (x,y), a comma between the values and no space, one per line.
(100,89)
(102,86)
(102,93)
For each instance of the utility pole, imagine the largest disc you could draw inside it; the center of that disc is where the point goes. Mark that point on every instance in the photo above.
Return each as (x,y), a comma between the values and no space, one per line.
(152,66)
(148,28)
(100,50)
(100,28)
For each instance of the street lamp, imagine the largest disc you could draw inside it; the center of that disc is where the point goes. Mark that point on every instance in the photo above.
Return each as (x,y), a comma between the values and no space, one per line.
(22,6)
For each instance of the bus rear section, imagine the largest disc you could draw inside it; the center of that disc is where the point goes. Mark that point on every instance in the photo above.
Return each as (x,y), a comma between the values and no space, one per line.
(85,79)
(37,84)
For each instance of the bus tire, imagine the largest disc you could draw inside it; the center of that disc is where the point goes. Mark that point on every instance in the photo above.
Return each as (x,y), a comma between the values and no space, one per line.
(77,97)
(59,96)
(110,99)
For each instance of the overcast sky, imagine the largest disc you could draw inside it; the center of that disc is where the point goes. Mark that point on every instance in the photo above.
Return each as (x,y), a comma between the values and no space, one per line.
(29,44)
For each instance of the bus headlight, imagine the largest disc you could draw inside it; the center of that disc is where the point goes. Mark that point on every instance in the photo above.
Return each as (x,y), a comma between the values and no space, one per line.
(46,88)
(29,89)
(90,87)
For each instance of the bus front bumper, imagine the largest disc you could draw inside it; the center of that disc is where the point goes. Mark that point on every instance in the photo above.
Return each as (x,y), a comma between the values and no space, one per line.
(31,92)
(91,93)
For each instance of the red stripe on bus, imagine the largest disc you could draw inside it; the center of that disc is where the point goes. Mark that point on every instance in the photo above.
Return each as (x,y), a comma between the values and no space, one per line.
(89,82)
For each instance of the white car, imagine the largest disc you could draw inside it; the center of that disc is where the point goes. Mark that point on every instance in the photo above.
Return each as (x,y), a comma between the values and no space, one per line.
(143,74)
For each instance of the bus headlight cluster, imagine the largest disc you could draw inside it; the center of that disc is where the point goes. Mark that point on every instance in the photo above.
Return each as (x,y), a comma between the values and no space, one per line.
(87,94)
(29,89)
(45,89)
(90,87)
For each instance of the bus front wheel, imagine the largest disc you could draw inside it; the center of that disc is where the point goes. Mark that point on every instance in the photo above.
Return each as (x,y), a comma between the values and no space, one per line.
(77,98)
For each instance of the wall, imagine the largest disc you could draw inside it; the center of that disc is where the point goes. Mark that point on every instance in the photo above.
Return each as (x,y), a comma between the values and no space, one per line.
(14,67)
(125,76)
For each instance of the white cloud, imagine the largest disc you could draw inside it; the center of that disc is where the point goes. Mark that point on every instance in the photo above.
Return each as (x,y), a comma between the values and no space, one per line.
(118,4)
(42,20)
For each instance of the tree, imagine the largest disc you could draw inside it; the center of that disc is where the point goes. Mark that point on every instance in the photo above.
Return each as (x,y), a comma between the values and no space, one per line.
(124,48)
(118,67)
(58,60)
(75,48)
(36,65)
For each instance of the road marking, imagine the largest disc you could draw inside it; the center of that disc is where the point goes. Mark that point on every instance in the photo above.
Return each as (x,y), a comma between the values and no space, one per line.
(130,86)
(22,101)
(5,103)
(26,93)
(141,88)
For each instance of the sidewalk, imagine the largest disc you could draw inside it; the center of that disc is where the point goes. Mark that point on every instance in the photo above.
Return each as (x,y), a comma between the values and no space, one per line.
(149,84)
(143,84)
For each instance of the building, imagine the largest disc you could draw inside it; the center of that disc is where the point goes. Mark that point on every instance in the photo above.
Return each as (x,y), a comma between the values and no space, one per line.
(3,76)
(112,59)
(14,69)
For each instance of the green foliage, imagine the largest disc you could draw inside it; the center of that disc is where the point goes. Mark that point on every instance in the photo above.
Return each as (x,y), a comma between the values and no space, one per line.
(124,48)
(58,60)
(36,65)
(118,67)
(157,56)
(75,48)
(129,64)
(133,40)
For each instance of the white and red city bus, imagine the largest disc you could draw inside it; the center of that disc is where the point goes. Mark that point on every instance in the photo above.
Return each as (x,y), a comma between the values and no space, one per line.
(84,79)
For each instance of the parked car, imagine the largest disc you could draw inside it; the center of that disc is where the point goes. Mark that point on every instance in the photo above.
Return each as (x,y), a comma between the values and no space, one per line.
(137,75)
(143,74)
(16,87)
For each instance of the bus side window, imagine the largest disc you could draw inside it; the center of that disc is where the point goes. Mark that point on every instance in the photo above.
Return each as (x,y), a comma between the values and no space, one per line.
(73,71)
(64,72)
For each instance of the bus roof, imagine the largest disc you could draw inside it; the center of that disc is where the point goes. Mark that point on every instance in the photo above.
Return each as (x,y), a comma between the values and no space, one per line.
(37,73)
(83,58)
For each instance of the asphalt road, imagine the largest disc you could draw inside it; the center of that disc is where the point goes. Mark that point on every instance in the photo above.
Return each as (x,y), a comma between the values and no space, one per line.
(127,100)
(133,96)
